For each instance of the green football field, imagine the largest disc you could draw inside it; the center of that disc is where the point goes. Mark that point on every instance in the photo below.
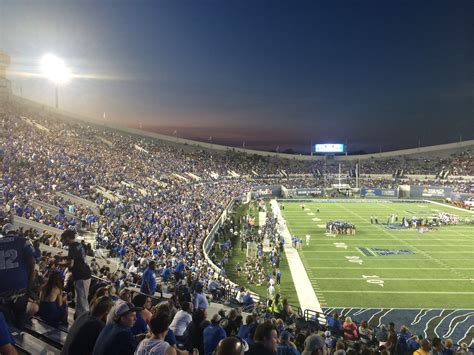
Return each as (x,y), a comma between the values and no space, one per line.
(349,271)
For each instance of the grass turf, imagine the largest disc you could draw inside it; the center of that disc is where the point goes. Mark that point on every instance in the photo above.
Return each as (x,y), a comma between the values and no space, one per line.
(440,273)
(287,289)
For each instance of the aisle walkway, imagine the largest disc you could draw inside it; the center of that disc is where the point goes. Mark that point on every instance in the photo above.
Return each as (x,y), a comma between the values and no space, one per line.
(304,288)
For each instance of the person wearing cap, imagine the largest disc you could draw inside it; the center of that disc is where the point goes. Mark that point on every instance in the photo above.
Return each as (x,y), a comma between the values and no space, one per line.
(116,338)
(314,345)
(286,347)
(212,335)
(232,346)
(83,333)
(80,271)
(329,340)
(16,274)
(266,340)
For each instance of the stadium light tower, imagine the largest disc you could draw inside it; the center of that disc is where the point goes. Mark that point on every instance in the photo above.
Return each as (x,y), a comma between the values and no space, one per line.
(55,70)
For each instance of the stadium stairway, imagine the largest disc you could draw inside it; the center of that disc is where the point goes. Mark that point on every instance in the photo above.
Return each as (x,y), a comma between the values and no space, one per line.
(27,344)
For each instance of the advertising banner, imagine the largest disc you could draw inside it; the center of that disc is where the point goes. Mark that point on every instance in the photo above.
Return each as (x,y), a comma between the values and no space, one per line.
(309,192)
(430,191)
(378,192)
(267,191)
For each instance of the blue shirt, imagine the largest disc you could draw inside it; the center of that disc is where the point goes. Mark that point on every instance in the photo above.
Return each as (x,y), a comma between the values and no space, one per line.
(14,252)
(200,301)
(5,334)
(150,278)
(212,335)
(115,339)
(285,349)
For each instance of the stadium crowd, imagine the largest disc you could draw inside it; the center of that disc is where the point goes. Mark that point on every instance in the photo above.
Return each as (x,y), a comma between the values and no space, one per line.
(156,203)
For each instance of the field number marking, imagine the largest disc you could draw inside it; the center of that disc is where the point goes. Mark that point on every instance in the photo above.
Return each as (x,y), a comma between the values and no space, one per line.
(354,259)
(341,245)
(373,279)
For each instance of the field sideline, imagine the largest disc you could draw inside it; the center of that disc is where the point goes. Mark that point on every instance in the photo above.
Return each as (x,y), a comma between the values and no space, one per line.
(348,271)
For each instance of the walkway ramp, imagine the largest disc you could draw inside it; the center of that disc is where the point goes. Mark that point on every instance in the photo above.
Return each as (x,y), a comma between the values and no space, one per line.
(304,289)
(25,223)
(78,200)
(50,208)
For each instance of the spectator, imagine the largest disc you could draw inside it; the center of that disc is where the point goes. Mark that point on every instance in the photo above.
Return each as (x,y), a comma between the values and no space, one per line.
(266,340)
(340,348)
(140,326)
(245,330)
(350,330)
(53,301)
(194,331)
(148,285)
(424,349)
(436,347)
(116,337)
(231,346)
(81,272)
(329,340)
(85,330)
(365,332)
(314,345)
(181,321)
(286,347)
(200,299)
(6,339)
(392,338)
(212,335)
(156,344)
(448,347)
(334,324)
(382,335)
(16,278)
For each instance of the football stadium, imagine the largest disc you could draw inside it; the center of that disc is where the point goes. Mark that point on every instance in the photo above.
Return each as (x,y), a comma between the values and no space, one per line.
(116,239)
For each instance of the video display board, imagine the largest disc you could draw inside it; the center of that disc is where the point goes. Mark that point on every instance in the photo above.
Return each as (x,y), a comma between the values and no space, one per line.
(329,148)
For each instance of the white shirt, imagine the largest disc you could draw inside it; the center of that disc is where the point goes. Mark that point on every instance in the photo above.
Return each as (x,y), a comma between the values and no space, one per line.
(180,322)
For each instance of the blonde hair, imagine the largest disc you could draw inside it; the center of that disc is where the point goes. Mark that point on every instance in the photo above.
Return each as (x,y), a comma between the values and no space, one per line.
(348,320)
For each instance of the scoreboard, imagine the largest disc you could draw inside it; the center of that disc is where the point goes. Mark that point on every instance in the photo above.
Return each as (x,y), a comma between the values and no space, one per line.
(329,148)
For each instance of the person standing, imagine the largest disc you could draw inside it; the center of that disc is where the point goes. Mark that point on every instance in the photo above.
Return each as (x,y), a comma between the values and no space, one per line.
(148,285)
(16,274)
(80,271)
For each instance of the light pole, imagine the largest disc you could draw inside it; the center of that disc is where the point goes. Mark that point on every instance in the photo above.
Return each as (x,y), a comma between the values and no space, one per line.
(56,71)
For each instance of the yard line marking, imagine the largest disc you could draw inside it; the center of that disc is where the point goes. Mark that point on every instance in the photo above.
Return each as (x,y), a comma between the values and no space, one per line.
(426,251)
(404,292)
(390,268)
(449,206)
(393,279)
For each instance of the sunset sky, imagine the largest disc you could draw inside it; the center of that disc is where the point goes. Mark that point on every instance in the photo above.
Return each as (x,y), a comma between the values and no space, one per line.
(270,73)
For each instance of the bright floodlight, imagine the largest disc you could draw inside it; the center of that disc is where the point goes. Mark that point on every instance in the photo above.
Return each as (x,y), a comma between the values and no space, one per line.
(55,69)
